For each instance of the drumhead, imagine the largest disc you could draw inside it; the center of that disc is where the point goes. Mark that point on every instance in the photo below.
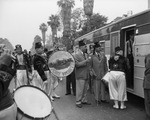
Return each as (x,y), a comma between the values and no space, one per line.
(61,63)
(32,101)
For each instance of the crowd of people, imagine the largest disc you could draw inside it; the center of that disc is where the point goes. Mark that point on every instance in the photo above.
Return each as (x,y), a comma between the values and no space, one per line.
(92,72)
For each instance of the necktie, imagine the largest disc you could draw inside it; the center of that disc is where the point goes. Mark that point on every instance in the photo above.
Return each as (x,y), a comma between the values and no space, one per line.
(84,55)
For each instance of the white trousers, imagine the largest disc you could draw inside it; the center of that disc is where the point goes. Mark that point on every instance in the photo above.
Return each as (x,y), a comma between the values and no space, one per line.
(9,113)
(21,78)
(81,91)
(117,85)
(38,82)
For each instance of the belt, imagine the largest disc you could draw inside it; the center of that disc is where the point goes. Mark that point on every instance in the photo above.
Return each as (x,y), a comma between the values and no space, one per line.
(21,67)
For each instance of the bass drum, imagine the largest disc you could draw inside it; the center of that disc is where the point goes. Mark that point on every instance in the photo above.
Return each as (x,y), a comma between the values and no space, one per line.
(32,103)
(61,63)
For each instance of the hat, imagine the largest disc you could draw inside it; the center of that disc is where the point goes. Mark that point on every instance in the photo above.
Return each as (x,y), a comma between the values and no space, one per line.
(38,45)
(18,46)
(97,45)
(81,43)
(117,49)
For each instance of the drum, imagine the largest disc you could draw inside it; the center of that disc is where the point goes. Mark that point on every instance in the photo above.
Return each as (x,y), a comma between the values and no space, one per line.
(32,103)
(61,63)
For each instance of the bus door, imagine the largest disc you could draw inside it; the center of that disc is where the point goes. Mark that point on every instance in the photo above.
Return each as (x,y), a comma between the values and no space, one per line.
(127,42)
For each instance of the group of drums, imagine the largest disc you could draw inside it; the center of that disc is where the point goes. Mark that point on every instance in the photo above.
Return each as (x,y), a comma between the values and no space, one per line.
(34,103)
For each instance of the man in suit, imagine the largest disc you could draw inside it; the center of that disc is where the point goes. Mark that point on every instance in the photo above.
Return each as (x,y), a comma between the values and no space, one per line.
(99,66)
(130,57)
(82,72)
(146,86)
(71,79)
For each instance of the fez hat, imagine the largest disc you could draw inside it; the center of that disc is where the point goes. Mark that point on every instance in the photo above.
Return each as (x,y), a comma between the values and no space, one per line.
(97,45)
(81,43)
(38,45)
(5,59)
(117,49)
(18,46)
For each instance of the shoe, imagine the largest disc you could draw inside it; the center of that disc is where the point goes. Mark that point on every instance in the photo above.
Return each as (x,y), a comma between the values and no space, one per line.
(104,101)
(86,103)
(97,102)
(123,107)
(68,94)
(56,96)
(51,98)
(115,106)
(79,105)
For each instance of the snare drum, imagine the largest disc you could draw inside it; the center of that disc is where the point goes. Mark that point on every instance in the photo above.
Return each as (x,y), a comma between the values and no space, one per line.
(32,103)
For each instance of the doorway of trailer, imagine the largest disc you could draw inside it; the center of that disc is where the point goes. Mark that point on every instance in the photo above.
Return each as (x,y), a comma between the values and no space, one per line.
(127,37)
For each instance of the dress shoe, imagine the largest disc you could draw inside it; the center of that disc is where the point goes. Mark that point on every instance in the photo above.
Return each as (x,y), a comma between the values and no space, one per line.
(116,106)
(123,107)
(98,102)
(104,101)
(56,96)
(68,94)
(86,103)
(79,105)
(51,98)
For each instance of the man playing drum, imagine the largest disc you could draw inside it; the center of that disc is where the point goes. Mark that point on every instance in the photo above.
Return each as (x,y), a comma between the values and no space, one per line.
(8,110)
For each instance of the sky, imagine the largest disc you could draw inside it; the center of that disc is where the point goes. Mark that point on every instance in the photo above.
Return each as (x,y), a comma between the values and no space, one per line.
(20,19)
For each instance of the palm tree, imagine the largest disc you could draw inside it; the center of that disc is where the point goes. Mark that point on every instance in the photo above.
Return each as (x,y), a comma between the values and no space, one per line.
(66,6)
(88,7)
(54,24)
(88,10)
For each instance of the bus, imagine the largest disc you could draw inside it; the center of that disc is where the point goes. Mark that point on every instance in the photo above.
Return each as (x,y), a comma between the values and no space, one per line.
(118,34)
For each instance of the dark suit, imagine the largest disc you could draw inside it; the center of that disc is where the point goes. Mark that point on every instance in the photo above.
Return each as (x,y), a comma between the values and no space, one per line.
(99,66)
(82,72)
(146,86)
(71,80)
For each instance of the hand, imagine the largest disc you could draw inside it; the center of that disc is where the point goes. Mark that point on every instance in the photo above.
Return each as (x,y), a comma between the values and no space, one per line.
(91,73)
(45,82)
(88,59)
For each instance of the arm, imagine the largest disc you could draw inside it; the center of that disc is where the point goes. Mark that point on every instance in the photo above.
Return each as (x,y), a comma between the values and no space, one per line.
(105,64)
(40,70)
(28,65)
(110,63)
(79,63)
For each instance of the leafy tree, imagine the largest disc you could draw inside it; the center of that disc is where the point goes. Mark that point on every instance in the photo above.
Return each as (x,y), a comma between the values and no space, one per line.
(81,25)
(66,6)
(77,20)
(96,21)
(7,43)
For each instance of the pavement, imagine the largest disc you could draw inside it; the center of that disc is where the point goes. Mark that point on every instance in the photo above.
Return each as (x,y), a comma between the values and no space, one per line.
(66,109)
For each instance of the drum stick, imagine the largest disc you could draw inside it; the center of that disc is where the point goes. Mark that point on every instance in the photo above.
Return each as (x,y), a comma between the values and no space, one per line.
(55,114)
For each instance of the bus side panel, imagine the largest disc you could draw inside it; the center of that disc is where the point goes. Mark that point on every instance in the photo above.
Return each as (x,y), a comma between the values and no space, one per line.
(141,48)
